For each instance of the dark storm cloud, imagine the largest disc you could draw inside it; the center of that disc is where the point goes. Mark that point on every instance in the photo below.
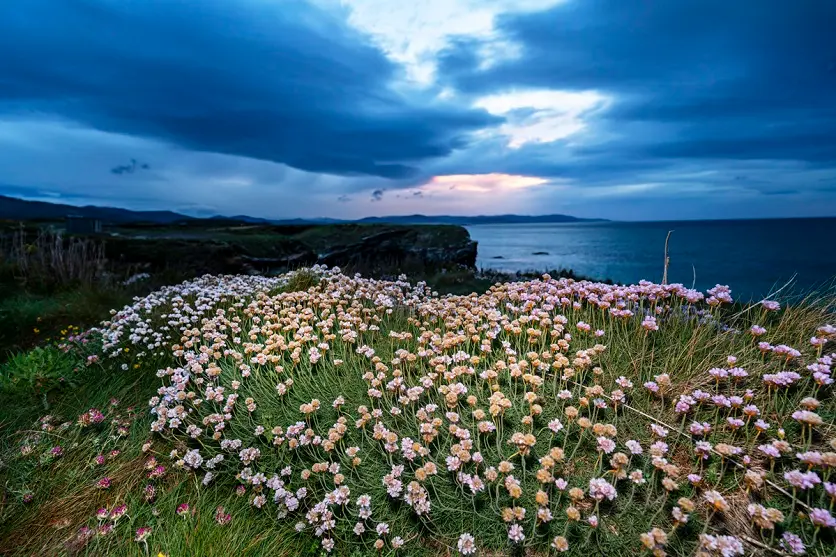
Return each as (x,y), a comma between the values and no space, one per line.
(708,79)
(283,81)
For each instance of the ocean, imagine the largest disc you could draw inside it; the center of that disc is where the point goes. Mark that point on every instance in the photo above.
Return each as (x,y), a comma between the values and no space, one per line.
(753,257)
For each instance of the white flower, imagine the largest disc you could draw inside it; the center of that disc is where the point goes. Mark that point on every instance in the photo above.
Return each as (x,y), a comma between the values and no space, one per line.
(466,544)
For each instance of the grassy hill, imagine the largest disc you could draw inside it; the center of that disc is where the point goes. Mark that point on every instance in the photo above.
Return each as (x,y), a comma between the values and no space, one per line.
(316,412)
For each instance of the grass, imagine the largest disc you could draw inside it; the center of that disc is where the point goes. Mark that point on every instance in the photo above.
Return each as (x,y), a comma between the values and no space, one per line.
(50,503)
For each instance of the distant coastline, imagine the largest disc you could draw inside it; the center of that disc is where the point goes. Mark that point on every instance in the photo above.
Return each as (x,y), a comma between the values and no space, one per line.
(13,208)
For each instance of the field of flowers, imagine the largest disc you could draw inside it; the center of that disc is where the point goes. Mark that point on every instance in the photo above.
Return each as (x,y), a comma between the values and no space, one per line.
(321,413)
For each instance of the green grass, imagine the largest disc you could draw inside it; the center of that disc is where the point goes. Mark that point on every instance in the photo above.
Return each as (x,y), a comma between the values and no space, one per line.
(27,319)
(65,499)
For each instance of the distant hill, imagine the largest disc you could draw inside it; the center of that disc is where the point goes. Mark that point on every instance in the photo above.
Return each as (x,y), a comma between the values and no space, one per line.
(480,219)
(12,208)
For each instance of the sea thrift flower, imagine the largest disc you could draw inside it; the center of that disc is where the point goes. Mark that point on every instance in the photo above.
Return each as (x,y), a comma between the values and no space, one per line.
(560,543)
(600,489)
(726,546)
(802,480)
(792,543)
(717,501)
(221,517)
(466,544)
(118,512)
(822,518)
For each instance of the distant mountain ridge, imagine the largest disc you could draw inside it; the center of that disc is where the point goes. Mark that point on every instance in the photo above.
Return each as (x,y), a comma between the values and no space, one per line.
(479,219)
(12,208)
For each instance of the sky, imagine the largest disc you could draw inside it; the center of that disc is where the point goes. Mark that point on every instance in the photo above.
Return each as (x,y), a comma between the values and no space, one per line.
(619,109)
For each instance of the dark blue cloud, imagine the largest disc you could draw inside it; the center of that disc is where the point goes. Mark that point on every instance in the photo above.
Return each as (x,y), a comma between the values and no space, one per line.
(711,79)
(283,81)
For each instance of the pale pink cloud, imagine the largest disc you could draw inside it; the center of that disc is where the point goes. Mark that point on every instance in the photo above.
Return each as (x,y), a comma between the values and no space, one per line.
(493,183)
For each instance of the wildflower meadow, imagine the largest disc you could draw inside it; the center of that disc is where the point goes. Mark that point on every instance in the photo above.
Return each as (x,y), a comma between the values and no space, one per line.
(318,413)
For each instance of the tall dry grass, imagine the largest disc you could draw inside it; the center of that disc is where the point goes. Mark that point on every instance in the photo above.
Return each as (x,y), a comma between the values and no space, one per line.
(49,260)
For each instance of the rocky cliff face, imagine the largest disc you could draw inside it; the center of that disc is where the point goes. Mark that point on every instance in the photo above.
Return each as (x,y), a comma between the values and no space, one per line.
(402,245)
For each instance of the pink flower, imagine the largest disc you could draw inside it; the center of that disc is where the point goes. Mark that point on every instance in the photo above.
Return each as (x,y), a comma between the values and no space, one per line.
(792,543)
(606,445)
(770,305)
(600,489)
(118,512)
(142,533)
(222,517)
(822,517)
(515,533)
(466,544)
(802,480)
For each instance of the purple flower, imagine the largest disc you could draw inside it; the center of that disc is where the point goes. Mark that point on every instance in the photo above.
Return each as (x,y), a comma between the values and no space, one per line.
(735,423)
(600,489)
(700,429)
(770,305)
(702,449)
(781,379)
(792,543)
(770,450)
(142,533)
(822,517)
(802,480)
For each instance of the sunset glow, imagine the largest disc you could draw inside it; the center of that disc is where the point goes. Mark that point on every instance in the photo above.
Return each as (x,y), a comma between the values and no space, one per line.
(481,183)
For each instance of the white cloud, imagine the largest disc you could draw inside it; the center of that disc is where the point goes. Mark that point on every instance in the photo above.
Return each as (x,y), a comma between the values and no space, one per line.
(542,116)
(413,33)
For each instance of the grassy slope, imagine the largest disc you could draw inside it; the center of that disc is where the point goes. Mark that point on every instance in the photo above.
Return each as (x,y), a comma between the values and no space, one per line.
(64,496)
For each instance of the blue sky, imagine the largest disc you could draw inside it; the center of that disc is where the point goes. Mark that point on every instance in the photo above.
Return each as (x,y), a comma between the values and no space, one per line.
(623,109)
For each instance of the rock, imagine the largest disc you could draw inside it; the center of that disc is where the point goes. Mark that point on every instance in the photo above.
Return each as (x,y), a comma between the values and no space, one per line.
(401,245)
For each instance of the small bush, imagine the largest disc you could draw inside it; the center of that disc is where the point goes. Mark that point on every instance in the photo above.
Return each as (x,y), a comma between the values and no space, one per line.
(38,372)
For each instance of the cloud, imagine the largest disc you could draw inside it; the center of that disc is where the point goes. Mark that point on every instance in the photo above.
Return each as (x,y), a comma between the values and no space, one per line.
(287,82)
(480,183)
(742,80)
(412,34)
(130,168)
(623,109)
